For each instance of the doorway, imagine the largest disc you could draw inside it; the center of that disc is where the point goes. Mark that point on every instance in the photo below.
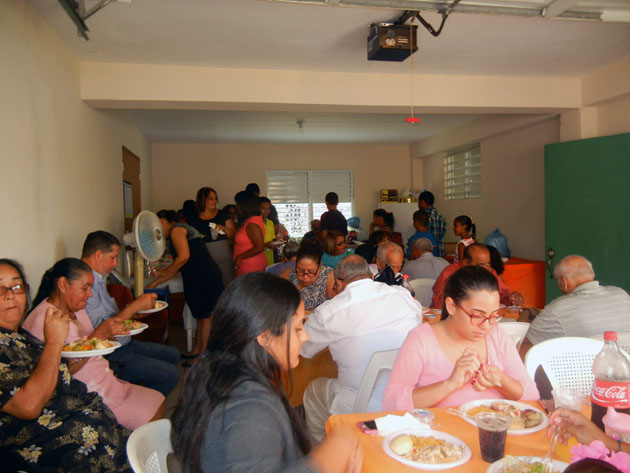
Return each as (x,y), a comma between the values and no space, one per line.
(587,206)
(131,187)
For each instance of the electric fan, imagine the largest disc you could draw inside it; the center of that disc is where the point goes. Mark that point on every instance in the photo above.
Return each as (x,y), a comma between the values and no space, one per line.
(149,242)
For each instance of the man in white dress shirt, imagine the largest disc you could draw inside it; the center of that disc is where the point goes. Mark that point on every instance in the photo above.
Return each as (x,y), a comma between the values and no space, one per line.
(365,317)
(424,264)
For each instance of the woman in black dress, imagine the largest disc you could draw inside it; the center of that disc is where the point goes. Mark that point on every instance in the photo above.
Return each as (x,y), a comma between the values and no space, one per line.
(202,277)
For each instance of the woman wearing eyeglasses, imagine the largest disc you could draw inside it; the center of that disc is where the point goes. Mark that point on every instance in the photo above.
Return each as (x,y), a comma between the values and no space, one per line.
(314,280)
(465,356)
(50,422)
(335,249)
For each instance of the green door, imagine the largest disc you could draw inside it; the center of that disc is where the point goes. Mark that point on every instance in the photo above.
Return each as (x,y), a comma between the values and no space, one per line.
(587,187)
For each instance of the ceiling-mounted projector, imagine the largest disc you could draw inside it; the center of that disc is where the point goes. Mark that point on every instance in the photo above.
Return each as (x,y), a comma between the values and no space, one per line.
(391,42)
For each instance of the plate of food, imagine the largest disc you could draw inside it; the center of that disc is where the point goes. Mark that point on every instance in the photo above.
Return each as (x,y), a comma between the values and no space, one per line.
(426,449)
(525,418)
(157,306)
(511,464)
(134,327)
(84,348)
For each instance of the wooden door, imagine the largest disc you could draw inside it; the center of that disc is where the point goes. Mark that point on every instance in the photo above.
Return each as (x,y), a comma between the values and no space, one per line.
(131,187)
(586,206)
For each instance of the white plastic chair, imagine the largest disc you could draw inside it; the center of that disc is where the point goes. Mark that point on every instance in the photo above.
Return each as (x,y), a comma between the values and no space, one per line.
(380,360)
(148,447)
(516,331)
(423,288)
(567,361)
(623,341)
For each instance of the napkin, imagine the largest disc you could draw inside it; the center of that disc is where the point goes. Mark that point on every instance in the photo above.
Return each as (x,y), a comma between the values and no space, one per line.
(391,423)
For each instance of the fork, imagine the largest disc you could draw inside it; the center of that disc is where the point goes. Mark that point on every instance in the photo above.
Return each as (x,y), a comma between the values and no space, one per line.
(546,460)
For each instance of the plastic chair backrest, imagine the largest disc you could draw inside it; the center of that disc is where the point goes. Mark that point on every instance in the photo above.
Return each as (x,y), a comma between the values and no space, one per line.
(567,361)
(380,360)
(423,288)
(148,447)
(516,331)
(623,342)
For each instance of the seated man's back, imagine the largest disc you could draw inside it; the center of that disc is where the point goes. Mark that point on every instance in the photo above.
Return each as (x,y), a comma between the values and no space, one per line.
(365,317)
(589,310)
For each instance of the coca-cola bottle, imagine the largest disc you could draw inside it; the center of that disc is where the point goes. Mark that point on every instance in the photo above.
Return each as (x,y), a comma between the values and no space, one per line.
(612,380)
(406,285)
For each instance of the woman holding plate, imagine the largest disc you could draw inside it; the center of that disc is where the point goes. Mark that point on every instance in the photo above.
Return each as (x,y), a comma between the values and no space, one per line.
(49,420)
(66,286)
(464,357)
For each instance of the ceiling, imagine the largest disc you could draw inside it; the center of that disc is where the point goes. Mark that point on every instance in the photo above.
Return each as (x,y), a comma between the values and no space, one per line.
(262,34)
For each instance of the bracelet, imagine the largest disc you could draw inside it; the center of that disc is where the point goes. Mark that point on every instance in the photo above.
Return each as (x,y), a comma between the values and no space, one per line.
(618,445)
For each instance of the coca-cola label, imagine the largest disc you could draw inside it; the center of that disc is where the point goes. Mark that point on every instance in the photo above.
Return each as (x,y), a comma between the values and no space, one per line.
(611,394)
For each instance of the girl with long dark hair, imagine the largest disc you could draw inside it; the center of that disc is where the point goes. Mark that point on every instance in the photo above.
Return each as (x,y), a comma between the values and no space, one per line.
(463,357)
(233,414)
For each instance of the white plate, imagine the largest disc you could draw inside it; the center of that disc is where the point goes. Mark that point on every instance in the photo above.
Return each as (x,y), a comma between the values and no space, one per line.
(136,331)
(89,353)
(420,432)
(497,466)
(464,408)
(151,311)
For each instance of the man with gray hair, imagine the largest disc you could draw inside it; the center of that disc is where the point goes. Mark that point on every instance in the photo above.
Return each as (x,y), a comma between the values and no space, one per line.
(424,264)
(389,262)
(585,309)
(363,318)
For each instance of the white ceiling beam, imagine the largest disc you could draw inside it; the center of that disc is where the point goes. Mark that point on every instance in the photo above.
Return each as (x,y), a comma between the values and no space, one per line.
(557,7)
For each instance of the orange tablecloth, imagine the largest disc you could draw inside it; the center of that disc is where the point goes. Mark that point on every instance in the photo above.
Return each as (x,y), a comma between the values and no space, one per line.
(321,365)
(528,278)
(377,461)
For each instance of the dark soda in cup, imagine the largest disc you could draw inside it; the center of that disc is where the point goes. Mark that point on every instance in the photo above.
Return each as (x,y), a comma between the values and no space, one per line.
(492,427)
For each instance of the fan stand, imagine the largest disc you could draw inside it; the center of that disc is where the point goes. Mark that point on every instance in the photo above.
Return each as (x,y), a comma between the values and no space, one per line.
(138,280)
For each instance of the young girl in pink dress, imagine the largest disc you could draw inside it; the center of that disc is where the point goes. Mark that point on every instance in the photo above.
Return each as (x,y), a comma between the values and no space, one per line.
(67,286)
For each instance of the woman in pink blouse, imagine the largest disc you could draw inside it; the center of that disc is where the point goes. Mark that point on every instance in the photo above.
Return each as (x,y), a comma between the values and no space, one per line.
(465,356)
(67,286)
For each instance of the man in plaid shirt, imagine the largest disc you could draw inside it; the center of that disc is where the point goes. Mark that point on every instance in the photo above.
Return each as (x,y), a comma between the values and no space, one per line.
(437,223)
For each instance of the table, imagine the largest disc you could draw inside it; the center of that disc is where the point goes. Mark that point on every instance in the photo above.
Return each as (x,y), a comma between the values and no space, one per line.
(377,461)
(528,278)
(321,365)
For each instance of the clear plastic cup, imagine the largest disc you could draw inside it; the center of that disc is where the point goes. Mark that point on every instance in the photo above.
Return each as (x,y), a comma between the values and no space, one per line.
(568,398)
(492,428)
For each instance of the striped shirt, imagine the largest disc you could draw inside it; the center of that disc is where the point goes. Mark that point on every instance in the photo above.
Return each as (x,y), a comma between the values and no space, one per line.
(437,226)
(589,310)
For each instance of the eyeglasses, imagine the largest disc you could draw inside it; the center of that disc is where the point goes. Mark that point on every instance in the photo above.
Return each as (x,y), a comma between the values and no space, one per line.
(19,288)
(480,319)
(309,272)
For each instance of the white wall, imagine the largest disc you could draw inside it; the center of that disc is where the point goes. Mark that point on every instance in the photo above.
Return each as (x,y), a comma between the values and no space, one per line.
(512,185)
(61,166)
(180,169)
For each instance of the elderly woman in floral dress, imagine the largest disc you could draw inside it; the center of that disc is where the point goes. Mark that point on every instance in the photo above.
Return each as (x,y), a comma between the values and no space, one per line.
(50,423)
